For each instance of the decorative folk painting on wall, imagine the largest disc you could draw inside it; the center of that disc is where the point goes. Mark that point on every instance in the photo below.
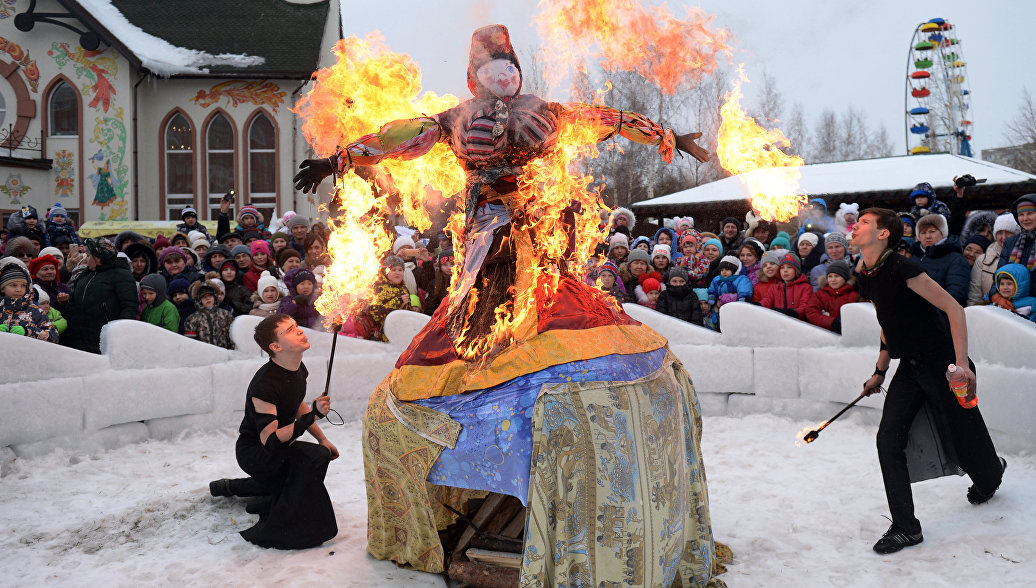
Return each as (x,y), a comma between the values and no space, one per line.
(14,188)
(260,93)
(64,173)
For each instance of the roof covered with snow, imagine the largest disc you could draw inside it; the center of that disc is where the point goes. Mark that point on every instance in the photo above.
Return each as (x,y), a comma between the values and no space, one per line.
(876,177)
(257,38)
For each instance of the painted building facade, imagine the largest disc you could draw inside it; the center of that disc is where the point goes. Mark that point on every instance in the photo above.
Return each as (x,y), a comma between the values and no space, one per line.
(99,114)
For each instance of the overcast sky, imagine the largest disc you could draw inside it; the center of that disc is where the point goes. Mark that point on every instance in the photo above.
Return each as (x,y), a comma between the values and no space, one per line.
(823,54)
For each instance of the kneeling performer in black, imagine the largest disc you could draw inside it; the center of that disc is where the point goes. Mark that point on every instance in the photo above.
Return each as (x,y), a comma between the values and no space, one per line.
(923,326)
(295,511)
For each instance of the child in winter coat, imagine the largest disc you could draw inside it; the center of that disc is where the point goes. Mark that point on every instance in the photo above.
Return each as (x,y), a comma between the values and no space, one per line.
(696,264)
(727,287)
(679,300)
(58,225)
(1012,287)
(661,259)
(189,216)
(267,299)
(389,294)
(649,290)
(298,304)
(824,308)
(43,301)
(261,261)
(209,323)
(643,243)
(250,219)
(239,297)
(18,314)
(608,280)
(618,248)
(158,310)
(177,294)
(792,293)
(767,276)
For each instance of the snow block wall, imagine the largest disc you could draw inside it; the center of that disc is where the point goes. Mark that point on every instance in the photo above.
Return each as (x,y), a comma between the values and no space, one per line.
(150,383)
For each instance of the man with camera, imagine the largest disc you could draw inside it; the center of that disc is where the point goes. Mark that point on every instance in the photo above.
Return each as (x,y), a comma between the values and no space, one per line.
(295,511)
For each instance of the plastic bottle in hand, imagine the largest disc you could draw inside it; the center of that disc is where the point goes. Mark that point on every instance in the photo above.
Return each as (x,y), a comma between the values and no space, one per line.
(959,385)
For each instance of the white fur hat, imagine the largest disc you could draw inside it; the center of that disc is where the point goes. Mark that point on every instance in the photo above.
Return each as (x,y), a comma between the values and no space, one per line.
(1004,222)
(195,236)
(663,251)
(631,219)
(265,281)
(844,208)
(57,252)
(682,224)
(401,243)
(936,220)
(731,260)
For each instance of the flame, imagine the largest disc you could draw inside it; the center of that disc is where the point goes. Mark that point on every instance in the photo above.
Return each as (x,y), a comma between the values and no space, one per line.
(754,153)
(368,86)
(800,437)
(622,35)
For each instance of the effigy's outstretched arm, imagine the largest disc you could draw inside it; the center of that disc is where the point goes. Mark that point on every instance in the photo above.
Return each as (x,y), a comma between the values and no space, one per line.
(402,139)
(636,127)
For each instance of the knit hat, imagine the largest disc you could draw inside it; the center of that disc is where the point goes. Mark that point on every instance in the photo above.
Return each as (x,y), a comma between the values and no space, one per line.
(249,210)
(225,263)
(29,212)
(780,243)
(171,252)
(298,219)
(979,240)
(638,255)
(836,237)
(908,218)
(650,284)
(922,189)
(729,261)
(444,255)
(715,242)
(155,283)
(661,251)
(392,261)
(239,249)
(1004,222)
(683,224)
(13,270)
(729,220)
(618,240)
(690,235)
(177,285)
(770,257)
(259,246)
(266,280)
(791,259)
(285,254)
(402,242)
(840,267)
(298,275)
(39,294)
(200,243)
(609,266)
(161,242)
(18,246)
(935,220)
(53,252)
(279,235)
(231,235)
(250,235)
(193,236)
(57,210)
(188,211)
(36,264)
(1027,202)
(678,272)
(811,237)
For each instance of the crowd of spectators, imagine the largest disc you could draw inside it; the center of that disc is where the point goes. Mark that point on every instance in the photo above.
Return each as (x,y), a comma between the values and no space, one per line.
(61,288)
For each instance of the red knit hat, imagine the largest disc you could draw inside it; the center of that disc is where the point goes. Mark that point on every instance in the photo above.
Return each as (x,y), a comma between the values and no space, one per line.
(161,241)
(37,263)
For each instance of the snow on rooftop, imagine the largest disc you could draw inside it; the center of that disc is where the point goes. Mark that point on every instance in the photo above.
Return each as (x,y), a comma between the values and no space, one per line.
(158,55)
(865,175)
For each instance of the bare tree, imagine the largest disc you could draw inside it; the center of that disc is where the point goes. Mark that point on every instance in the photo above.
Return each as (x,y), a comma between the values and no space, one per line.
(1021,133)
(796,130)
(770,108)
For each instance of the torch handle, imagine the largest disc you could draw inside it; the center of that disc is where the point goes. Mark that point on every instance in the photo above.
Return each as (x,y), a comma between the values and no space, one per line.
(847,407)
(331,360)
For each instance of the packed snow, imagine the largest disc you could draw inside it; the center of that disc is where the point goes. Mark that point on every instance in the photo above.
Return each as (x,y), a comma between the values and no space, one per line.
(158,55)
(793,515)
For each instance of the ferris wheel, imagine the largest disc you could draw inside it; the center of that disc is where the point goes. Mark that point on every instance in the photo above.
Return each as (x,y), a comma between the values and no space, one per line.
(937,93)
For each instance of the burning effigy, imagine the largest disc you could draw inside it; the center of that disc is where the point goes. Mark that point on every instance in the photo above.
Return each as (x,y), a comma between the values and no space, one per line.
(526,382)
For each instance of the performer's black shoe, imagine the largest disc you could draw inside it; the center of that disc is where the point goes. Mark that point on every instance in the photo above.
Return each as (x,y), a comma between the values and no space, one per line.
(895,539)
(976,496)
(220,488)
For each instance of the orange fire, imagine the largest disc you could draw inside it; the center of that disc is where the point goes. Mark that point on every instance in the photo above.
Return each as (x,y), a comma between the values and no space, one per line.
(367,87)
(754,154)
(622,35)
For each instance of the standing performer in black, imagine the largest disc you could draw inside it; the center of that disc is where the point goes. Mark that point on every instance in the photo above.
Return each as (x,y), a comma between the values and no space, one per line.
(296,510)
(923,326)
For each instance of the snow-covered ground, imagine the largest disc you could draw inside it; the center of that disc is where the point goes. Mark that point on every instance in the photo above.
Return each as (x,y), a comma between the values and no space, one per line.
(793,516)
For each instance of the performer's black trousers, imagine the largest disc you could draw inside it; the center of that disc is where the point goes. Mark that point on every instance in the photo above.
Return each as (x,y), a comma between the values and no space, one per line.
(915,382)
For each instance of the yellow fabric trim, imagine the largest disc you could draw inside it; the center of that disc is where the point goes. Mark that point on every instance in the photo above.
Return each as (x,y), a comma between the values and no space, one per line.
(540,352)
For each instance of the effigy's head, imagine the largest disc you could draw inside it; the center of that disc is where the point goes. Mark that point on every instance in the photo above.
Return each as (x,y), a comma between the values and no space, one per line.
(493,68)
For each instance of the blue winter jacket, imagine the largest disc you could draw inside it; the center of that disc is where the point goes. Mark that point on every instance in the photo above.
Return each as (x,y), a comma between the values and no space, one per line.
(944,262)
(739,285)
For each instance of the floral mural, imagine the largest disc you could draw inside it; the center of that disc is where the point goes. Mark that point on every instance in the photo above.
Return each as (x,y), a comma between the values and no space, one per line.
(28,65)
(260,93)
(64,173)
(14,188)
(95,66)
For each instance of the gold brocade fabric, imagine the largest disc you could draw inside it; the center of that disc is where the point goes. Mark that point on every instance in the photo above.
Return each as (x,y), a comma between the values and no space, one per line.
(618,495)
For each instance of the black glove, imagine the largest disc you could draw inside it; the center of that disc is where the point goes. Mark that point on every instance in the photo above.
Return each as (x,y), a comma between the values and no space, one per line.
(836,326)
(301,300)
(313,172)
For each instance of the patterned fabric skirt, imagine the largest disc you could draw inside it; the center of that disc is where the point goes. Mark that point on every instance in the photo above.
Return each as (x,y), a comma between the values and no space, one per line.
(616,490)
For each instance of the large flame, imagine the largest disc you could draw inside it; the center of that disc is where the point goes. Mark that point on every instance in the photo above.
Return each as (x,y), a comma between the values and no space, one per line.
(368,86)
(623,35)
(754,153)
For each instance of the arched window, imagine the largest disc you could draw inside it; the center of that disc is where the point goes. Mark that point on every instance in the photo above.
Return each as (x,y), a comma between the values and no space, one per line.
(63,117)
(219,150)
(3,109)
(262,165)
(179,165)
